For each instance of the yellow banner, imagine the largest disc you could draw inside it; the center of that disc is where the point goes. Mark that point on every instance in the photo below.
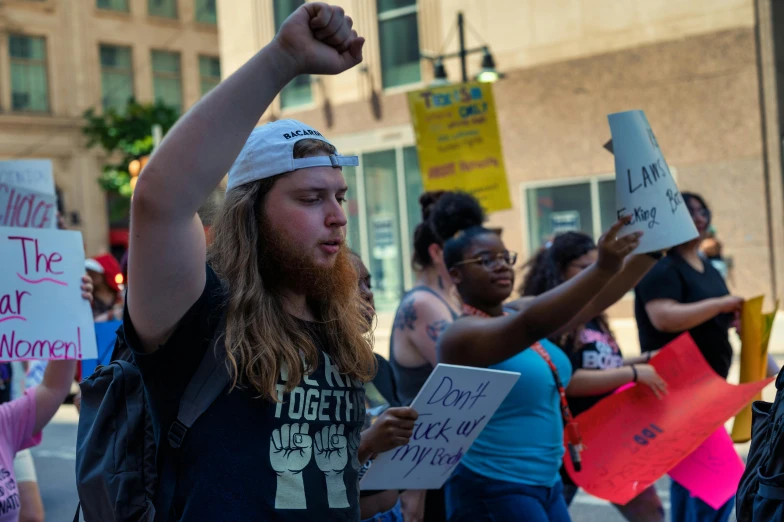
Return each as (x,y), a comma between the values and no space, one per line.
(458,142)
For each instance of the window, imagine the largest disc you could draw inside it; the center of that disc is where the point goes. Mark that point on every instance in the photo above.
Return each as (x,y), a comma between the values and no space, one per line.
(582,205)
(162,8)
(113,5)
(116,76)
(206,12)
(414,188)
(209,73)
(351,207)
(399,42)
(383,219)
(29,79)
(298,92)
(167,79)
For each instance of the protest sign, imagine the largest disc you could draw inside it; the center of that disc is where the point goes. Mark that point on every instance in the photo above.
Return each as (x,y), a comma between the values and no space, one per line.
(454,406)
(42,313)
(645,188)
(712,472)
(21,207)
(755,330)
(632,438)
(33,175)
(458,143)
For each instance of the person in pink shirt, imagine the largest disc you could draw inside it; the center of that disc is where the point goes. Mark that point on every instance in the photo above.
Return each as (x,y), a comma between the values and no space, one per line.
(23,419)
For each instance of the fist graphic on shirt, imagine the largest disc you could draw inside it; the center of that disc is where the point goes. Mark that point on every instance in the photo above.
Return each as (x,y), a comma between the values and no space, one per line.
(331,449)
(290,448)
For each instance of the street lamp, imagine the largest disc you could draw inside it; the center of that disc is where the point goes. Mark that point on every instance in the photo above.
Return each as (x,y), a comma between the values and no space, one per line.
(488,72)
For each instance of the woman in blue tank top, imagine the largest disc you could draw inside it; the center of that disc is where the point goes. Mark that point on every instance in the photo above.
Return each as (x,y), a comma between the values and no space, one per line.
(511,471)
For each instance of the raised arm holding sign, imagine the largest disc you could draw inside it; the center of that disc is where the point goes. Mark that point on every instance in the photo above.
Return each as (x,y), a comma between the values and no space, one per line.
(645,188)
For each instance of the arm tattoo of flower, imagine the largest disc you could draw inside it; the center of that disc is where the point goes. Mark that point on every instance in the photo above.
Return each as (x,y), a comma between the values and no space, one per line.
(406,316)
(435,329)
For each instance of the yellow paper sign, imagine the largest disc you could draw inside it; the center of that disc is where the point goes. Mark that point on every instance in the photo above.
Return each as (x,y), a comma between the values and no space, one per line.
(458,142)
(755,330)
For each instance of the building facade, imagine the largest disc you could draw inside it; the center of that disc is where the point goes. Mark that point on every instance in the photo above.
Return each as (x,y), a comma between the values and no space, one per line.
(61,57)
(705,72)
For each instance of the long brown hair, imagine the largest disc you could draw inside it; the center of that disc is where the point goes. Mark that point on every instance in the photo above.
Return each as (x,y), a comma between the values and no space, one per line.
(261,337)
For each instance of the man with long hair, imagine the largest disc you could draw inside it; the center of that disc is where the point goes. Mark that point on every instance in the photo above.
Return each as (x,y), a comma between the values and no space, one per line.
(283,441)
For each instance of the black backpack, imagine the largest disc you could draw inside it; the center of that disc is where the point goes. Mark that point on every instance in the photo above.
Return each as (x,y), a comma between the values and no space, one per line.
(760,495)
(116,473)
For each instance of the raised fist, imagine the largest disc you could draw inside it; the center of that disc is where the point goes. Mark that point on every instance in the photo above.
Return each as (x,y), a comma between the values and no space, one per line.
(319,39)
(331,449)
(290,448)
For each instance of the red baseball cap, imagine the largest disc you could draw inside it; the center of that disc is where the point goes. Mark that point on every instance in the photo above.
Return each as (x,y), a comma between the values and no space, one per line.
(107,265)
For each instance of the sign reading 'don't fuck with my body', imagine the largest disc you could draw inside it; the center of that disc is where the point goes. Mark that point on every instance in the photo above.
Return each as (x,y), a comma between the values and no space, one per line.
(454,406)
(42,312)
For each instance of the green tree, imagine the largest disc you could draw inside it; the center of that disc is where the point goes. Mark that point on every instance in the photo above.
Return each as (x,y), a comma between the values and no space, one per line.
(125,136)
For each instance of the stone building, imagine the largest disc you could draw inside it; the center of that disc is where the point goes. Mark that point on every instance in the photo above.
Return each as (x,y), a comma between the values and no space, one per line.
(61,57)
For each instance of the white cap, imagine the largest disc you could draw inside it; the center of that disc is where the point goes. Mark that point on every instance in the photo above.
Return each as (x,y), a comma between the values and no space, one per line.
(269,151)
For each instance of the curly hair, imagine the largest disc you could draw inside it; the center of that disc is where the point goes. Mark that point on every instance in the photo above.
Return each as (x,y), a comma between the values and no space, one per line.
(424,235)
(457,217)
(545,271)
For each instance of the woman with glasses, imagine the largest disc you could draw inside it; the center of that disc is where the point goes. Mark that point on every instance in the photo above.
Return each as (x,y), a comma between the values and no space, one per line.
(684,293)
(511,470)
(599,366)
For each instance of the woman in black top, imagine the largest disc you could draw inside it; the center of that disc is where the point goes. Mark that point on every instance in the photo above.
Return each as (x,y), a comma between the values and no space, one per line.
(599,366)
(684,293)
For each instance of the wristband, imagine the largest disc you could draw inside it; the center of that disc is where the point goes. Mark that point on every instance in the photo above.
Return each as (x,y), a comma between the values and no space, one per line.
(634,379)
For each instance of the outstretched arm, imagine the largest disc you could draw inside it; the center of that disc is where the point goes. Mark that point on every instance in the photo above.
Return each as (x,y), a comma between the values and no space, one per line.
(483,342)
(167,247)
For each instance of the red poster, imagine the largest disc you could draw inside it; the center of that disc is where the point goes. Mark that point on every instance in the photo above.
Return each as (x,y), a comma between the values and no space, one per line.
(632,438)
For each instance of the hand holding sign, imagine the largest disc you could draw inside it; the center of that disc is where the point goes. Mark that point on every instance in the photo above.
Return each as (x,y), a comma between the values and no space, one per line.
(392,429)
(613,250)
(645,188)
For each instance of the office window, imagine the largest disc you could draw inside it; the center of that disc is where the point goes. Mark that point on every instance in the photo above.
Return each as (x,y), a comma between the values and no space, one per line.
(29,78)
(116,76)
(209,73)
(586,206)
(399,42)
(298,92)
(351,208)
(206,12)
(162,8)
(414,188)
(113,5)
(167,78)
(384,234)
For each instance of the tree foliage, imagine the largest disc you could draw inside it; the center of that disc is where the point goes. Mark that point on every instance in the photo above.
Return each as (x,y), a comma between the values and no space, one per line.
(125,136)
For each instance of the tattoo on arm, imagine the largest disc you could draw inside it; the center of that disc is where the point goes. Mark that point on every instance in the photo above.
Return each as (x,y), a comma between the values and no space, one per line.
(435,329)
(406,316)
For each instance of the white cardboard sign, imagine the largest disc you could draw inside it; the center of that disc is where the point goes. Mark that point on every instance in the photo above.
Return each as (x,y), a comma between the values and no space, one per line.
(20,207)
(644,186)
(42,313)
(33,174)
(454,406)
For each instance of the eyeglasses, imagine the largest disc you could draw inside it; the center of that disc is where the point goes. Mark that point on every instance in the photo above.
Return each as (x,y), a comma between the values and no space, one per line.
(491,261)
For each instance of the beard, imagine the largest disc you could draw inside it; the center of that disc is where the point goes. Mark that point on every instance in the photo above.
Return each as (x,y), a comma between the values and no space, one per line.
(288,265)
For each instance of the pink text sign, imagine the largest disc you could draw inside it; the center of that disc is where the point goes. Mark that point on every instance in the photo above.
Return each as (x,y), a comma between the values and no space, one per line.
(42,313)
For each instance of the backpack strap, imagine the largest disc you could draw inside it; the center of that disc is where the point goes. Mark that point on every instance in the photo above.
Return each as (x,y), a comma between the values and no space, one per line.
(207,383)
(205,386)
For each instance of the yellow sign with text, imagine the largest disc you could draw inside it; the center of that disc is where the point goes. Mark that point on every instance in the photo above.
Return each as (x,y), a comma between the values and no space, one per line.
(458,142)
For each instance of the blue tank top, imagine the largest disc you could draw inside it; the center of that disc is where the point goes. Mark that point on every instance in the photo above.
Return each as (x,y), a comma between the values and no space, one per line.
(523,442)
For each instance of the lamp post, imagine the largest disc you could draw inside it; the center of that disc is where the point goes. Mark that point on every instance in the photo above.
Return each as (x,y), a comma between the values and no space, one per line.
(488,72)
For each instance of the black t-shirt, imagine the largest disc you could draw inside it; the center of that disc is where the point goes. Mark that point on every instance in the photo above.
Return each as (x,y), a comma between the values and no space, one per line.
(598,351)
(380,394)
(246,457)
(674,278)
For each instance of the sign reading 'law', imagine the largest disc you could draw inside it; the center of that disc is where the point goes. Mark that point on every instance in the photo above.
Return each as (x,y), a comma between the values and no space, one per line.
(42,313)
(645,188)
(454,406)
(458,142)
